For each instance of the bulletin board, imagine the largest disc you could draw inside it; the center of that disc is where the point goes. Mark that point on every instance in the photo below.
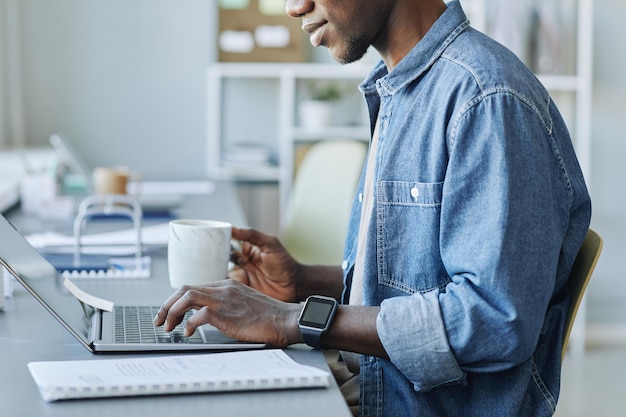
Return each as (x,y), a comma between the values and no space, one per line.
(259,31)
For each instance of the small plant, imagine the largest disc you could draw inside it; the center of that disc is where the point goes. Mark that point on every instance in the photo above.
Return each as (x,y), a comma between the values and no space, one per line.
(324,91)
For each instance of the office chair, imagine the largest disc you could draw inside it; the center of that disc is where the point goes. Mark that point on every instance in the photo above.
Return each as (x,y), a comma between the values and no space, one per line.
(315,221)
(584,265)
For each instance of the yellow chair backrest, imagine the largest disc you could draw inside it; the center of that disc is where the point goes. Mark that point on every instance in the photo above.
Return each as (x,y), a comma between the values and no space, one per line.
(584,265)
(315,221)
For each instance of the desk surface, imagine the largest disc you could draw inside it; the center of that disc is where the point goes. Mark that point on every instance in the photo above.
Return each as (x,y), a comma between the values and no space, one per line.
(29,333)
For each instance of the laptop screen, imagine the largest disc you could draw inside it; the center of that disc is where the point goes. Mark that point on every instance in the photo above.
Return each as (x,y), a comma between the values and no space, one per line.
(69,155)
(41,279)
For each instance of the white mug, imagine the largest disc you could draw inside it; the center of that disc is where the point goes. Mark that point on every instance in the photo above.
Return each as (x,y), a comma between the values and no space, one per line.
(198,251)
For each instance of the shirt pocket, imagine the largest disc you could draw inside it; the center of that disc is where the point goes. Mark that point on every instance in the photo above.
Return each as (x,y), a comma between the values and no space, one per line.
(407,236)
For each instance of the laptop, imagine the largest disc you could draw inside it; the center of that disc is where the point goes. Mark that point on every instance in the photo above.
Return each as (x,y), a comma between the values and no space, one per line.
(67,153)
(119,330)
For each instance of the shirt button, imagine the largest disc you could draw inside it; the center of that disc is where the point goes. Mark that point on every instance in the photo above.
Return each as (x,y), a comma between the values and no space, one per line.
(415,193)
(344,264)
(360,197)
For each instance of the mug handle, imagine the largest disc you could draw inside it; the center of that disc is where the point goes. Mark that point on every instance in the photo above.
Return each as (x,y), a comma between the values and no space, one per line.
(135,178)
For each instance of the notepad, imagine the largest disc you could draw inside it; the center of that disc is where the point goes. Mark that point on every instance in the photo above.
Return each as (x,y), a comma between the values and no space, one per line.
(216,372)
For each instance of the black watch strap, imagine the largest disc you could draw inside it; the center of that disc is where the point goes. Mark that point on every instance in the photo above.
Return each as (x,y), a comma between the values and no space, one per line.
(312,337)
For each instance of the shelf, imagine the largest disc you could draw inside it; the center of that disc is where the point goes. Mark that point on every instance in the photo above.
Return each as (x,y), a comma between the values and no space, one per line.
(249,173)
(280,88)
(278,70)
(301,134)
(561,82)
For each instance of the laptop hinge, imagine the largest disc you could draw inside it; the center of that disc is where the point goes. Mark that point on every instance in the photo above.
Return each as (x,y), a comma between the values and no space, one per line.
(95,330)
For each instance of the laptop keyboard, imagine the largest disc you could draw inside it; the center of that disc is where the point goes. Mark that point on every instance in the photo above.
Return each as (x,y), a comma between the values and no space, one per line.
(135,325)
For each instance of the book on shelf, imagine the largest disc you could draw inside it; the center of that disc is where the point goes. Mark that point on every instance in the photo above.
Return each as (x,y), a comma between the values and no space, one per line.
(244,154)
(190,373)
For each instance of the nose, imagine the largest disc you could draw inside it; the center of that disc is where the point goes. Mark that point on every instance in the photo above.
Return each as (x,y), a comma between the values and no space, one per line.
(298,8)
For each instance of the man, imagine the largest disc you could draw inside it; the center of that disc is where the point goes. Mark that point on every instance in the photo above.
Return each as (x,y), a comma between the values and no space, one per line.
(467,220)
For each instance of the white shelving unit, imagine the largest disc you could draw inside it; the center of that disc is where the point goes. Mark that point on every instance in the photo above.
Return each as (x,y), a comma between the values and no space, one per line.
(572,90)
(285,89)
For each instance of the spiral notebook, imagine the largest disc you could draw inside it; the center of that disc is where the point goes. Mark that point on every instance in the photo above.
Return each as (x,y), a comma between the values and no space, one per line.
(231,371)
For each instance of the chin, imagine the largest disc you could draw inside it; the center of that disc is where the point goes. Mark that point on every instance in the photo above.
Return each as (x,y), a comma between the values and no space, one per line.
(351,51)
(346,58)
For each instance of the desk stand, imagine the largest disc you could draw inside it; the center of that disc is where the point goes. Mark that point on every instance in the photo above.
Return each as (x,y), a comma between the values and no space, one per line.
(110,205)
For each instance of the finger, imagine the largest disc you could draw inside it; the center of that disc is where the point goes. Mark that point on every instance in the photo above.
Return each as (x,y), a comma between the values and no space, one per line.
(191,297)
(239,274)
(197,319)
(251,236)
(207,300)
(235,245)
(159,319)
(236,257)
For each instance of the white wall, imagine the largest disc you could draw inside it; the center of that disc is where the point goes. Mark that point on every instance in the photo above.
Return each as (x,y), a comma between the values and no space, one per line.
(3,75)
(607,291)
(122,79)
(11,98)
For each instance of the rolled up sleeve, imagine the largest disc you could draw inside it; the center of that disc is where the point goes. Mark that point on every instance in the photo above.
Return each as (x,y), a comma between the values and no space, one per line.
(419,348)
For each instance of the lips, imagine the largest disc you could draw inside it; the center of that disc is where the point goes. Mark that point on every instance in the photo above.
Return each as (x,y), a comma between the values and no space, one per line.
(316,30)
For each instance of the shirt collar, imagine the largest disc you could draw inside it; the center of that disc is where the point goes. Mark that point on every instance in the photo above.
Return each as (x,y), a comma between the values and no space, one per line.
(443,32)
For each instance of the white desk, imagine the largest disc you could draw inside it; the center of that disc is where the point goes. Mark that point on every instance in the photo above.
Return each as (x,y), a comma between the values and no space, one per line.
(29,333)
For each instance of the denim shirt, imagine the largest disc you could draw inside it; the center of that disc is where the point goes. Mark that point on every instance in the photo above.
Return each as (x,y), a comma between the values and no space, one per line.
(480,208)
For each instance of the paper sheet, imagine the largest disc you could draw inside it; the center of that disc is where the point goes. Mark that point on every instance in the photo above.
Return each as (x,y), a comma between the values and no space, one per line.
(120,242)
(86,298)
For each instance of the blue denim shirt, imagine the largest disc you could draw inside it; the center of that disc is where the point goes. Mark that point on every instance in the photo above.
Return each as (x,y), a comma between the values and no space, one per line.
(480,208)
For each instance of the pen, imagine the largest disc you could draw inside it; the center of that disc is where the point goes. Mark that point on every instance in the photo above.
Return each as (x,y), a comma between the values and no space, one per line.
(117,266)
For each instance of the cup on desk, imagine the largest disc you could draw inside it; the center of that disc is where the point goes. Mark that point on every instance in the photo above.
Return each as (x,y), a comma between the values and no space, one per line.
(198,251)
(113,180)
(36,190)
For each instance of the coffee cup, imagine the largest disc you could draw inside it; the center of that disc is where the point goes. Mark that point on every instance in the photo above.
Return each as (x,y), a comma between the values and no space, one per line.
(198,251)
(113,180)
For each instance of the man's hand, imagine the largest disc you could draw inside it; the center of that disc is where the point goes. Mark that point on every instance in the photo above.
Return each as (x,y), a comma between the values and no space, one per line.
(264,264)
(237,310)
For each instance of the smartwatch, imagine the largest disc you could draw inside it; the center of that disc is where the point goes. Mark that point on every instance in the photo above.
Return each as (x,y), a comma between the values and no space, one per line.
(315,318)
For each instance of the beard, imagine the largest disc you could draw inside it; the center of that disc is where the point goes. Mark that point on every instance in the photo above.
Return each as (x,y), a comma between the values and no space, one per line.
(354,48)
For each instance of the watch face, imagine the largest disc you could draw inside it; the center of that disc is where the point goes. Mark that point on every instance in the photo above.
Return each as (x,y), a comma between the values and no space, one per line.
(316,312)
